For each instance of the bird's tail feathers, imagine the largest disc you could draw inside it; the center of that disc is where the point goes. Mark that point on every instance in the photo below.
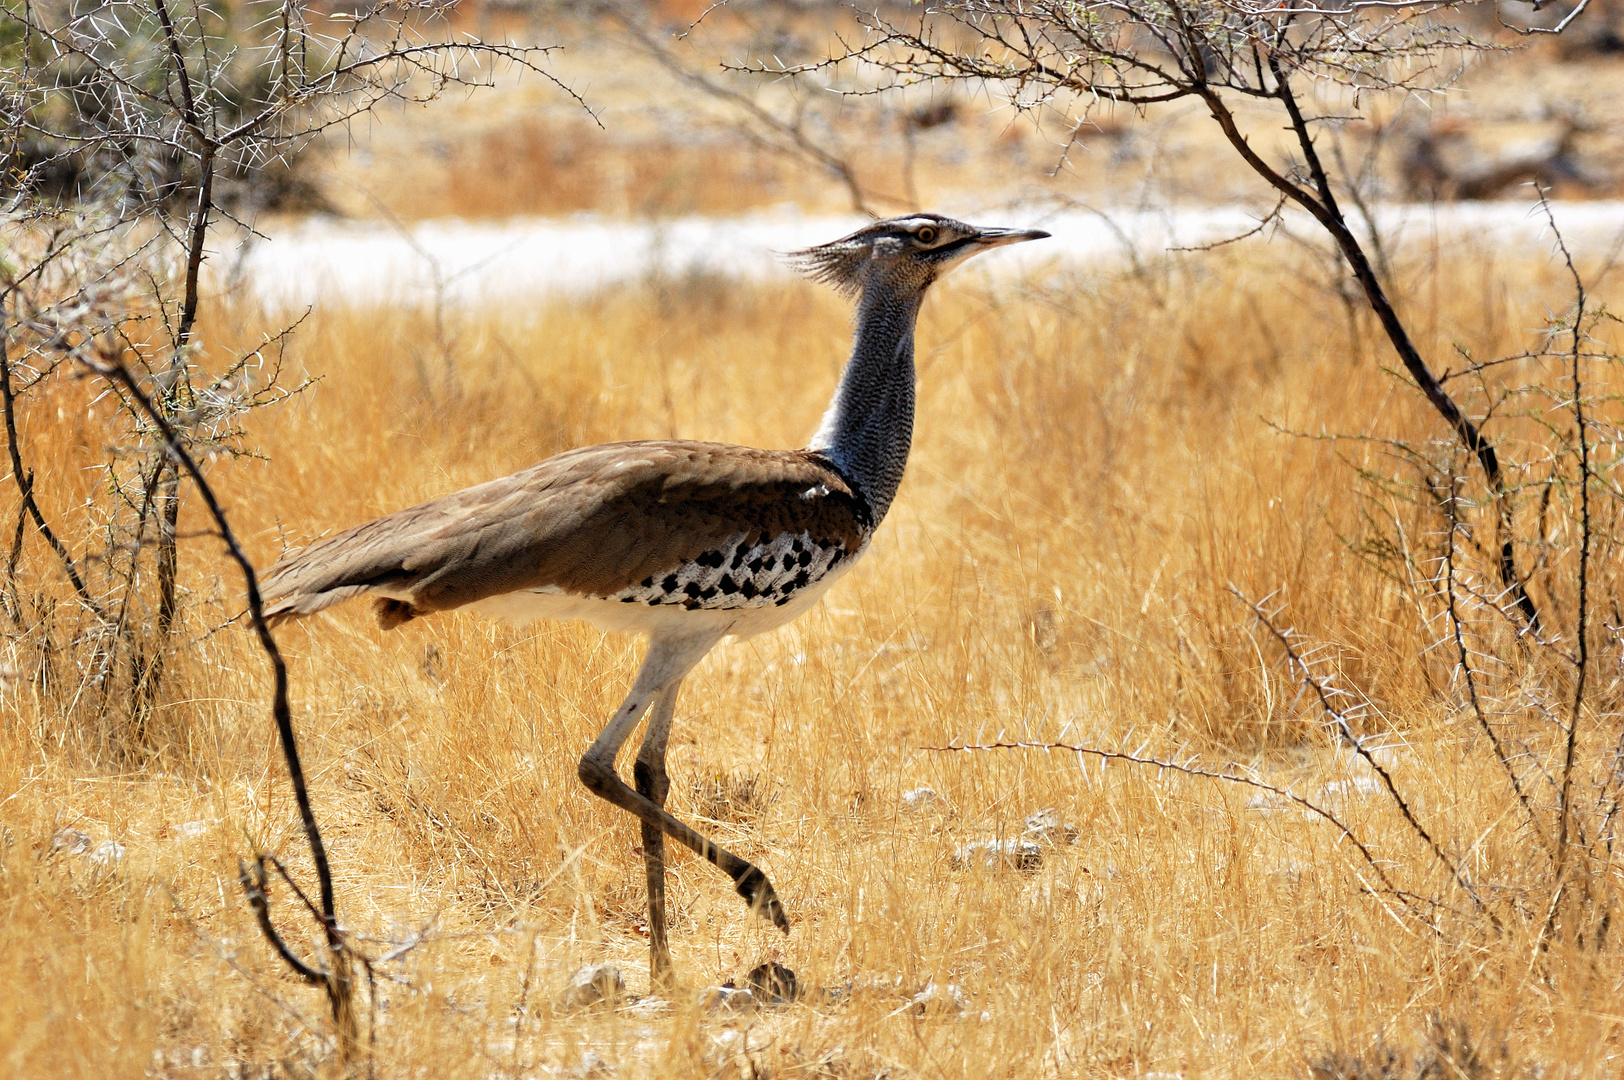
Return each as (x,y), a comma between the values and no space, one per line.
(293,589)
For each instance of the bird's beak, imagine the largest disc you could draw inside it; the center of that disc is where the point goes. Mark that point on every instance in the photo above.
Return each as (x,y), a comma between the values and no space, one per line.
(986,240)
(991,238)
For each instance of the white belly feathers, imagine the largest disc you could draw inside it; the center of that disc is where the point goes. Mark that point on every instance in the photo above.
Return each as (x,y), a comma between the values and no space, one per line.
(739,589)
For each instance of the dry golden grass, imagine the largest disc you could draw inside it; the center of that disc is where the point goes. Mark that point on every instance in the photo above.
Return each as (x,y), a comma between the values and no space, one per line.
(1092,468)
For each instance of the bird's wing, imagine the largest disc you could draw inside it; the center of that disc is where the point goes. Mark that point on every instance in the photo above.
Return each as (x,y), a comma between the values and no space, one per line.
(593,522)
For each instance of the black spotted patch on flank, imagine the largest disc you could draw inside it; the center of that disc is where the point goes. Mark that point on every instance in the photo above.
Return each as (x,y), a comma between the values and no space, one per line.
(740,575)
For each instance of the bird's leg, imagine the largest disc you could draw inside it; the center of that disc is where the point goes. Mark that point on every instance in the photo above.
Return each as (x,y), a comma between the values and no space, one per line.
(654,784)
(667,662)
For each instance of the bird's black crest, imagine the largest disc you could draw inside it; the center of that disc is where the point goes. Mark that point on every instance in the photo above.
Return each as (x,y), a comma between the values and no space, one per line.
(838,263)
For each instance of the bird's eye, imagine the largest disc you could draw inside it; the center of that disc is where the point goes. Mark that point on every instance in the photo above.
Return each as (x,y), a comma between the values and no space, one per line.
(926,235)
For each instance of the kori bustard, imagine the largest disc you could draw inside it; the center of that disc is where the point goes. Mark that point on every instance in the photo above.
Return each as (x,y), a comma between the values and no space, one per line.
(686,542)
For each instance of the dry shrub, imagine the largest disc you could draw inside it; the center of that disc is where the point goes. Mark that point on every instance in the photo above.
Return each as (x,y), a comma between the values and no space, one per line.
(535,165)
(1449,1050)
(1094,466)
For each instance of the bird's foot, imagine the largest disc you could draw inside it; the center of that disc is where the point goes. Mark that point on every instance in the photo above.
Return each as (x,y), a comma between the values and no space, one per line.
(758,893)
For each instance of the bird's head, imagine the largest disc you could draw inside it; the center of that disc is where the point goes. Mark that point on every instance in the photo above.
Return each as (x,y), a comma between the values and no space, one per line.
(907,253)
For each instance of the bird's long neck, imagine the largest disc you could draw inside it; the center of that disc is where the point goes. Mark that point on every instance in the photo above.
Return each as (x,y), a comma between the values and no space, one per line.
(869,426)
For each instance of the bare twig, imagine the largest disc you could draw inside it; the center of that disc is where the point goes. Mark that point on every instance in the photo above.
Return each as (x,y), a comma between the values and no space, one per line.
(1339,721)
(1330,216)
(1463,657)
(791,135)
(24,478)
(256,888)
(1271,218)
(1189,769)
(337,979)
(1567,20)
(1581,619)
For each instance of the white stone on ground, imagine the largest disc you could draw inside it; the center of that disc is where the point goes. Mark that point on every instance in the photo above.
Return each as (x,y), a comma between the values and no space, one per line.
(935,998)
(645,1008)
(70,842)
(1017,854)
(1025,852)
(107,853)
(593,984)
(1046,827)
(591,1066)
(919,799)
(1359,786)
(727,999)
(725,1045)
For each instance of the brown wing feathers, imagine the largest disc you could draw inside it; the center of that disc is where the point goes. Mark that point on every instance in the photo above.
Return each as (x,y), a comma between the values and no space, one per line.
(589,521)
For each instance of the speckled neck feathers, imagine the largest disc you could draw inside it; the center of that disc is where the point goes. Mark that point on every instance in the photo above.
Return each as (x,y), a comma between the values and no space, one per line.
(868,429)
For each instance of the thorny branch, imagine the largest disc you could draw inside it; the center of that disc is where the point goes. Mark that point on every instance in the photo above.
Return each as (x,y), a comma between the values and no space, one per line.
(792,134)
(1190,769)
(256,887)
(142,109)
(1324,693)
(1071,56)
(121,121)
(24,478)
(1463,657)
(1581,618)
(337,979)
(1567,20)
